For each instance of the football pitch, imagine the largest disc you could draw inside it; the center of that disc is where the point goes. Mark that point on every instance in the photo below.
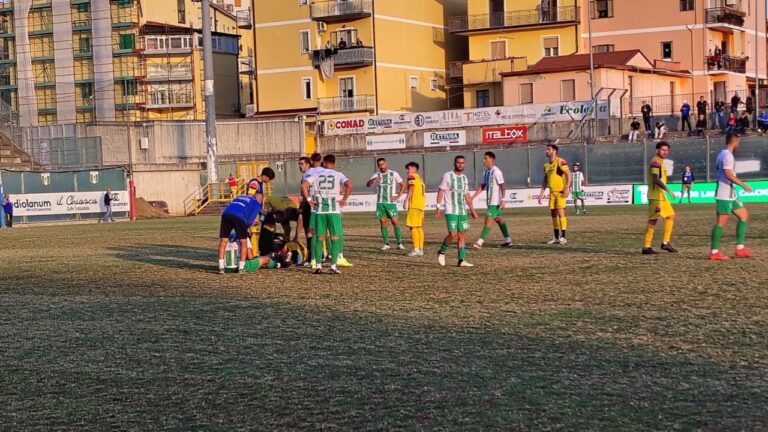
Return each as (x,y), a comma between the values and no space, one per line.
(127,326)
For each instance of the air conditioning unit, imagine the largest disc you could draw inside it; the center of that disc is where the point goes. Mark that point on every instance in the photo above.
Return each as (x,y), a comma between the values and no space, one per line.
(322,27)
(144,143)
(250,110)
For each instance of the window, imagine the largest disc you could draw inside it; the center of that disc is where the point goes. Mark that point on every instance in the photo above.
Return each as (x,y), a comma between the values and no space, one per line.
(181,5)
(303,2)
(498,49)
(603,48)
(126,41)
(83,7)
(551,46)
(86,91)
(306,88)
(84,45)
(666,51)
(304,41)
(567,90)
(413,82)
(124,3)
(602,9)
(526,93)
(687,5)
(433,84)
(483,98)
(129,88)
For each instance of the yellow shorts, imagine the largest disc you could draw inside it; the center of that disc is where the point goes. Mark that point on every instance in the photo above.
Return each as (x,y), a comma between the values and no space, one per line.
(660,209)
(556,200)
(414,218)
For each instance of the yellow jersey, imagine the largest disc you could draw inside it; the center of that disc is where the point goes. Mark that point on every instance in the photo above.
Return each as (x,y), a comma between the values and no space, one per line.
(419,197)
(659,168)
(279,203)
(555,173)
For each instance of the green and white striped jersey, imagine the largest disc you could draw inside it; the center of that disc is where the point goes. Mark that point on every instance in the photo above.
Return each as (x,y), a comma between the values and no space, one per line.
(578,181)
(387,186)
(455,186)
(492,178)
(327,186)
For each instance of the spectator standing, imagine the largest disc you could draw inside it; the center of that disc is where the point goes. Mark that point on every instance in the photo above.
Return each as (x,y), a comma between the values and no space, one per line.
(8,208)
(108,204)
(660,131)
(701,125)
(688,180)
(720,114)
(701,107)
(685,112)
(735,101)
(342,43)
(232,181)
(647,112)
(359,43)
(634,129)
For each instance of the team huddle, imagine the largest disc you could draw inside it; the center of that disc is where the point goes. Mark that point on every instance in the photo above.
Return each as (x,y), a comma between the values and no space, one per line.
(325,191)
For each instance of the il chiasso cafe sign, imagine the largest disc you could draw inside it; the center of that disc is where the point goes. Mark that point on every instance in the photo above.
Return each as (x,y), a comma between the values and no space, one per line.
(520,114)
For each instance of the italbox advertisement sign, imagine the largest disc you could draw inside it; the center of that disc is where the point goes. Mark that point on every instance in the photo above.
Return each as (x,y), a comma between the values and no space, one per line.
(704,193)
(505,134)
(67,203)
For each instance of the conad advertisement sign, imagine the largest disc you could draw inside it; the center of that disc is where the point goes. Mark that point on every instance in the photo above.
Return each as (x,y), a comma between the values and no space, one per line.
(445,138)
(67,203)
(505,134)
(509,115)
(385,142)
(704,193)
(514,198)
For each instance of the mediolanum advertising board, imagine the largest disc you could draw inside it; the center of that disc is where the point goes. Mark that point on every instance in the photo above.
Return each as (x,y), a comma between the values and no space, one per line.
(445,138)
(704,193)
(67,203)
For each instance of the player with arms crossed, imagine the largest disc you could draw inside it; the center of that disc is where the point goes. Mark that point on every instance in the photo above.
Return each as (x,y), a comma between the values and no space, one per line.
(493,185)
(327,185)
(727,201)
(557,177)
(579,181)
(389,189)
(454,189)
(658,203)
(415,204)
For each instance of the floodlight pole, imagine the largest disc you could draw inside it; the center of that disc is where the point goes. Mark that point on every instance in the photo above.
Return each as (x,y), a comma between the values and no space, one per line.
(212,152)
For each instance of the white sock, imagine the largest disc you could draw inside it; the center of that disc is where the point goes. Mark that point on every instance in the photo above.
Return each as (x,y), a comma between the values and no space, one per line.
(341,256)
(333,266)
(480,242)
(508,239)
(714,251)
(221,264)
(241,265)
(739,247)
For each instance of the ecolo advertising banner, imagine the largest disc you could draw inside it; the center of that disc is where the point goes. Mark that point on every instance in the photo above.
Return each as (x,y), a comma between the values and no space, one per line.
(704,193)
(67,203)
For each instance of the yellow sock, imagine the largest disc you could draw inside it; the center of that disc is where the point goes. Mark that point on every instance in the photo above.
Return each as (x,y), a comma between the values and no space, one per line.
(649,235)
(668,225)
(563,223)
(421,237)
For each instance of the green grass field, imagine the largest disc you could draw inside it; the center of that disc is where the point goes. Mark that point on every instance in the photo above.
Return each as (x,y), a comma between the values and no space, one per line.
(128,327)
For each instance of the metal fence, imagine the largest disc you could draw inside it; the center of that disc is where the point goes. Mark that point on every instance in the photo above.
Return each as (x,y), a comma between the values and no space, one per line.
(603,164)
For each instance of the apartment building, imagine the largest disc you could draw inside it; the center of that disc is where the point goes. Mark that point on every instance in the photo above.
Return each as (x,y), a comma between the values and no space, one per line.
(67,61)
(507,36)
(352,57)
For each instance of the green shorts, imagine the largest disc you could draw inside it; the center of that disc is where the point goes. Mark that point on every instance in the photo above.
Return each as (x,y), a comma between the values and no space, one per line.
(578,195)
(252,265)
(458,223)
(726,207)
(328,223)
(386,210)
(493,211)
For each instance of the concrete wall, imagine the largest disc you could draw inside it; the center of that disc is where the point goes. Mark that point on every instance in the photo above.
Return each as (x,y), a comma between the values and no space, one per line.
(172,184)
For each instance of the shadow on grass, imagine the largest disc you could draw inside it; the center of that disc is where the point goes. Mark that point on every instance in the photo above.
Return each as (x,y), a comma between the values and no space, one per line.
(192,363)
(171,256)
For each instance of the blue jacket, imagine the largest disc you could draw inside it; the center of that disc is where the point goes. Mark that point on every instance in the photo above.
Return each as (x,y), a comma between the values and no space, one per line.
(245,208)
(688,177)
(8,207)
(686,109)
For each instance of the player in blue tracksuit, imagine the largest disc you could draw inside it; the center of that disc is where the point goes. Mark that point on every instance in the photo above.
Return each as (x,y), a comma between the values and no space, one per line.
(688,180)
(239,215)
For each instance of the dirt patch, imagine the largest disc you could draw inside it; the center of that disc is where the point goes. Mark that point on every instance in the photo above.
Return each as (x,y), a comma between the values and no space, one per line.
(145,210)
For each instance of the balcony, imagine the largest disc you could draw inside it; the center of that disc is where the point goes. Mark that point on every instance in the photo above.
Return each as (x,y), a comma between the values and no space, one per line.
(360,103)
(725,19)
(344,58)
(530,18)
(245,65)
(725,64)
(485,71)
(244,20)
(341,10)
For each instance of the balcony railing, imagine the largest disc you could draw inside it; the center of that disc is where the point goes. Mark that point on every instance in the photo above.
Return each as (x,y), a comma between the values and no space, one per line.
(244,20)
(245,65)
(347,104)
(726,63)
(725,16)
(523,18)
(341,9)
(347,57)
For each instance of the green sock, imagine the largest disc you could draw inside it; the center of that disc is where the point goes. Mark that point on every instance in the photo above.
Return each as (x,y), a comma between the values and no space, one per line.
(327,245)
(318,250)
(385,234)
(741,233)
(311,249)
(583,207)
(398,235)
(272,264)
(341,245)
(335,250)
(443,248)
(504,230)
(462,253)
(717,235)
(484,233)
